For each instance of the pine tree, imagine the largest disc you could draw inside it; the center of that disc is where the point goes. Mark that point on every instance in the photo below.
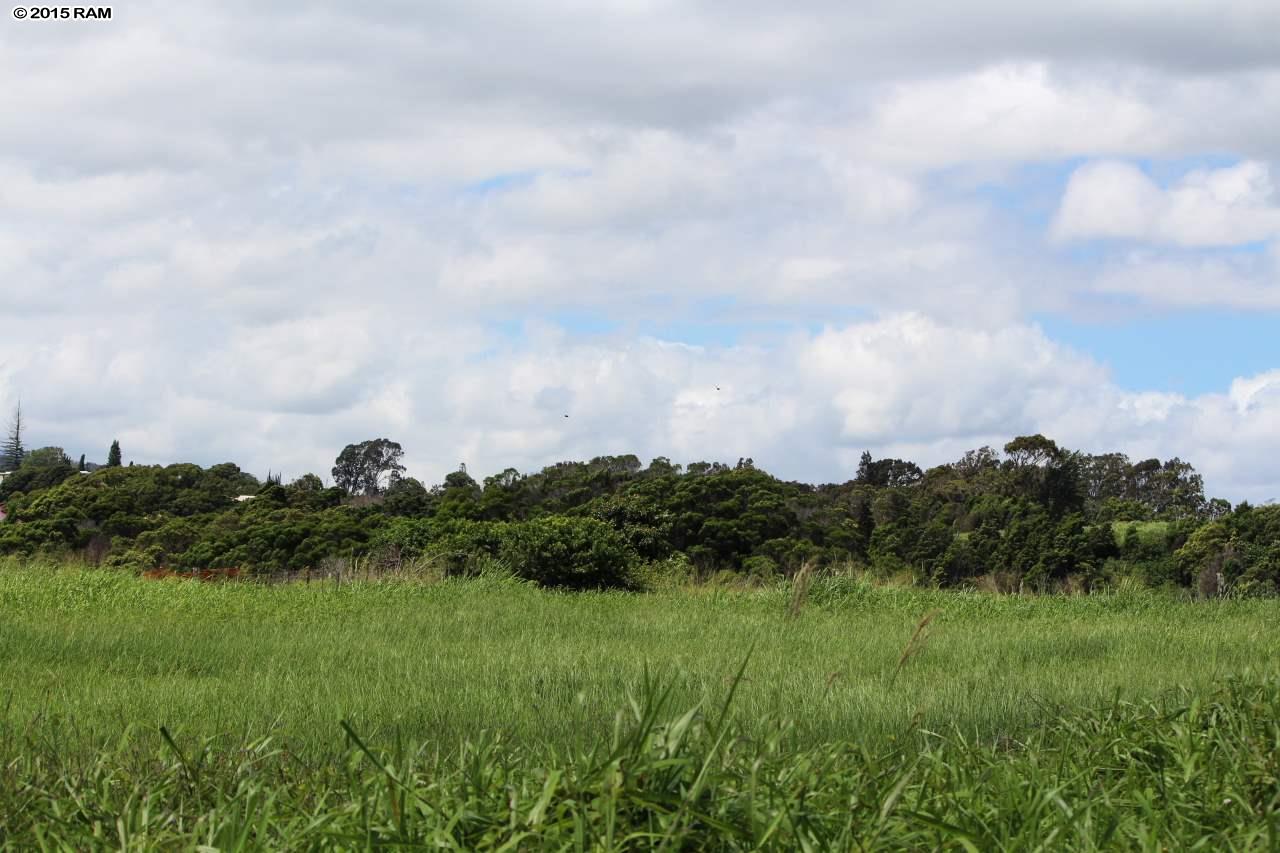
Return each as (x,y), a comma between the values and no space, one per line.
(113,455)
(12,452)
(865,467)
(81,468)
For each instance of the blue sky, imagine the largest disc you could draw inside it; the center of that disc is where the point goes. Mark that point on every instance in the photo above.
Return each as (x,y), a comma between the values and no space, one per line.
(1187,352)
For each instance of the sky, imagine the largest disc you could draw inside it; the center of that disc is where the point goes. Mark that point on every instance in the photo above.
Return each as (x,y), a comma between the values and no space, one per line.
(702,230)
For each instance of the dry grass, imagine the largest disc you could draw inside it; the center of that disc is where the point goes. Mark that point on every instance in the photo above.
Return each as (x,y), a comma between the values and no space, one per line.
(915,645)
(800,585)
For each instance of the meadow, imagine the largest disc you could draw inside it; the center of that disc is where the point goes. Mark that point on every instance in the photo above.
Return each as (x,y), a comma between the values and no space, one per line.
(480,712)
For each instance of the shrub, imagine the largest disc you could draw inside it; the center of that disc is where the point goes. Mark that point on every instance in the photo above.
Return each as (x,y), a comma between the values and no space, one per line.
(654,575)
(760,567)
(466,547)
(458,546)
(568,551)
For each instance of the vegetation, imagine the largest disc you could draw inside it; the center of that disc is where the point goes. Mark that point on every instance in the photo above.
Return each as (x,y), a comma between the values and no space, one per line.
(813,667)
(473,713)
(12,451)
(365,468)
(1188,773)
(1038,517)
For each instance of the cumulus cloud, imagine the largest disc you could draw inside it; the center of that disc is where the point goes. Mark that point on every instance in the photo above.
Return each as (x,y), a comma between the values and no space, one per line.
(230,231)
(1206,207)
(1250,281)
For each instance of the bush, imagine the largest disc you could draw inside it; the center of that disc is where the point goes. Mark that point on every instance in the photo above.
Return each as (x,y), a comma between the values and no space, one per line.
(568,551)
(467,546)
(460,546)
(1162,571)
(655,575)
(760,567)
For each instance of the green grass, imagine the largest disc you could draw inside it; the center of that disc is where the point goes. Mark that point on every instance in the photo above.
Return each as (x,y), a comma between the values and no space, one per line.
(498,687)
(1154,533)
(444,661)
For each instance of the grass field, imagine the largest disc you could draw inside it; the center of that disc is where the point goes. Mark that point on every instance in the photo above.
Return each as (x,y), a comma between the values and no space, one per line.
(524,684)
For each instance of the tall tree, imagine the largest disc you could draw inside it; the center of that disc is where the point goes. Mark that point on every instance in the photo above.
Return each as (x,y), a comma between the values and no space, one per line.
(12,452)
(975,463)
(368,467)
(81,466)
(1031,450)
(113,455)
(864,474)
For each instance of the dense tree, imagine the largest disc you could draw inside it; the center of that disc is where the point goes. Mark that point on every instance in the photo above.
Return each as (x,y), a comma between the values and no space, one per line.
(309,492)
(43,457)
(661,466)
(113,455)
(1031,451)
(459,496)
(369,467)
(1216,508)
(33,479)
(407,496)
(1176,490)
(1107,476)
(505,496)
(307,483)
(887,473)
(1043,517)
(975,463)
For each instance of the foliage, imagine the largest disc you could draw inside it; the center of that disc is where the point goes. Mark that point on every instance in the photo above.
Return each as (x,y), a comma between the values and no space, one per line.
(1037,517)
(367,468)
(45,457)
(33,477)
(1191,772)
(567,551)
(887,472)
(471,714)
(457,545)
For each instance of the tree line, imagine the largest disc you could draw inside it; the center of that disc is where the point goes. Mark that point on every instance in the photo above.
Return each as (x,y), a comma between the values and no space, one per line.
(1031,515)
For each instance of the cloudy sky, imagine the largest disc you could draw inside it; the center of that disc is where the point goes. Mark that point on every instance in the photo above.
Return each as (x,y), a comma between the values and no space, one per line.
(258,232)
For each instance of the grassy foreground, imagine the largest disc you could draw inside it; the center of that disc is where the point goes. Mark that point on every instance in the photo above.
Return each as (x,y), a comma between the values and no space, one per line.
(482,713)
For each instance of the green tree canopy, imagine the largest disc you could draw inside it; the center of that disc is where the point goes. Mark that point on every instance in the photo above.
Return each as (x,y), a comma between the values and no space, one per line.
(43,457)
(369,467)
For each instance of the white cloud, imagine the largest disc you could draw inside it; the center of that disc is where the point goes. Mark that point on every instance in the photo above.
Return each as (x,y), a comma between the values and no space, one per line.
(804,408)
(259,233)
(1206,207)
(1256,392)
(1012,111)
